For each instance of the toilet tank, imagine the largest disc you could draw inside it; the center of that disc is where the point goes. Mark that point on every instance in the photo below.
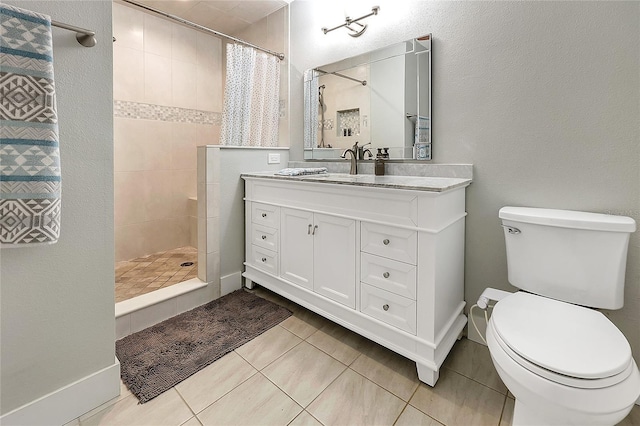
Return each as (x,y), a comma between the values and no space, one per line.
(576,257)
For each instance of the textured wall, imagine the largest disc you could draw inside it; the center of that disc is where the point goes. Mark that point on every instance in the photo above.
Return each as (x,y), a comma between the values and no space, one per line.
(57,302)
(542,97)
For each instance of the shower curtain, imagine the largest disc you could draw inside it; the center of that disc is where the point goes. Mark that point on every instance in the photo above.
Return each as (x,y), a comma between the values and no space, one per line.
(251,105)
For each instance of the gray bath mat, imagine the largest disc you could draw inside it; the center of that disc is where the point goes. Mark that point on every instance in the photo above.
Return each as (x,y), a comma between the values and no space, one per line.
(156,359)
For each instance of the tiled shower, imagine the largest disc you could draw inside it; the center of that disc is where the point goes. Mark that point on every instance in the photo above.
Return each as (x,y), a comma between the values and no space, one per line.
(167,100)
(168,96)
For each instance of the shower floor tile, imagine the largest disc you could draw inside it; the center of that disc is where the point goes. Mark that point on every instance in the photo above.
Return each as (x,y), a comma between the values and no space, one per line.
(148,273)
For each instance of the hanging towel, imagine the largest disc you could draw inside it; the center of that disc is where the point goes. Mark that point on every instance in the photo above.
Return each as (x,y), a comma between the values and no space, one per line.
(29,154)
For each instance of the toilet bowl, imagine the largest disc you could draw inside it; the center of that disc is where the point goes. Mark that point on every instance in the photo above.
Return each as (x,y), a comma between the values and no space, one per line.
(565,364)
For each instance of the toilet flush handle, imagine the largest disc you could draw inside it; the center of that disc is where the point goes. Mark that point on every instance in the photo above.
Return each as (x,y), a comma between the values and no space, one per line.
(511,229)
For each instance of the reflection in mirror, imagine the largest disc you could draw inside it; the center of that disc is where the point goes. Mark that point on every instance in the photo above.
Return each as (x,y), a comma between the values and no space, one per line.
(381,99)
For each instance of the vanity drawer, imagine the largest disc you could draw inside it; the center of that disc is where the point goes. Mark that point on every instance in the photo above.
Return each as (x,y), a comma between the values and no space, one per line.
(265,214)
(388,307)
(264,259)
(391,275)
(387,241)
(264,236)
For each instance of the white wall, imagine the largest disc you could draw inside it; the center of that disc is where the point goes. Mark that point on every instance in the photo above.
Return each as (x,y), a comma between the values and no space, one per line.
(57,302)
(542,97)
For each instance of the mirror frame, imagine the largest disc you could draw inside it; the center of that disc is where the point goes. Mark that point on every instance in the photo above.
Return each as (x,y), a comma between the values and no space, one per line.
(416,46)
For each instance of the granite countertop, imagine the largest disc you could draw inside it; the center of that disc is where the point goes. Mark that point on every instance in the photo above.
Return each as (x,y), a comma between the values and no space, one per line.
(416,183)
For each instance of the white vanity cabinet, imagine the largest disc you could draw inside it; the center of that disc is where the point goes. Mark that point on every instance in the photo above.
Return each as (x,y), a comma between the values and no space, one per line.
(318,252)
(385,262)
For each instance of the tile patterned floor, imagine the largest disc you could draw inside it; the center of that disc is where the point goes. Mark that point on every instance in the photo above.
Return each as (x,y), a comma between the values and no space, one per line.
(309,371)
(158,270)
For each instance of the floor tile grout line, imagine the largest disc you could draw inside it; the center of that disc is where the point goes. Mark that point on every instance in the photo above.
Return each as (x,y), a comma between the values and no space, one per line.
(413,406)
(182,397)
(256,371)
(385,389)
(400,415)
(474,380)
(280,356)
(319,348)
(323,390)
(284,392)
(304,410)
(504,407)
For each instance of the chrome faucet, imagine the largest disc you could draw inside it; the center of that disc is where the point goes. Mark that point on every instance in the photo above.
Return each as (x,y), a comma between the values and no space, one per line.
(362,152)
(354,159)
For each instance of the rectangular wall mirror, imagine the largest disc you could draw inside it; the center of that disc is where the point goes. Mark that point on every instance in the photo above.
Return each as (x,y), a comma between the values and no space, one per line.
(381,97)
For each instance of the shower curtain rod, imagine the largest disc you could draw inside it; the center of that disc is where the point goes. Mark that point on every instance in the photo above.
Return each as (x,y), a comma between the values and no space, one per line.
(202,28)
(363,82)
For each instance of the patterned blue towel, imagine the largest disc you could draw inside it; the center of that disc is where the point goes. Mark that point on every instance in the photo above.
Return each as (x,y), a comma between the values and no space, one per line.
(29,154)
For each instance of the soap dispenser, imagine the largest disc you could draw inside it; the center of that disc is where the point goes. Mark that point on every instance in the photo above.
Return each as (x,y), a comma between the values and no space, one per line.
(379,163)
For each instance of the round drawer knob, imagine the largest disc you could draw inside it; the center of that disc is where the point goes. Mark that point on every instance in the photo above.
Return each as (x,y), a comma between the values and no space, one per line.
(264,259)
(386,275)
(385,241)
(385,307)
(264,237)
(264,215)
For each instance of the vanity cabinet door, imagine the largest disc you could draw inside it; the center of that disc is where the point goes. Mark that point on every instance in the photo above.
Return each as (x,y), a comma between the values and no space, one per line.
(334,254)
(296,247)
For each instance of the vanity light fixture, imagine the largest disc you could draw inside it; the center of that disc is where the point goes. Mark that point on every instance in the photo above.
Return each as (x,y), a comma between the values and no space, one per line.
(355,32)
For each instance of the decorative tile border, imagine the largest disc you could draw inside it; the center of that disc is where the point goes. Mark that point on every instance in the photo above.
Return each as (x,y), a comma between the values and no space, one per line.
(127,109)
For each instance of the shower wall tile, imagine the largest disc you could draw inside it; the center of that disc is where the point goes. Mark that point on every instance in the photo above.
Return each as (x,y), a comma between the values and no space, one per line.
(208,88)
(144,111)
(129,150)
(157,35)
(128,190)
(157,79)
(213,165)
(183,84)
(202,163)
(202,261)
(183,43)
(213,200)
(183,186)
(213,234)
(208,134)
(157,144)
(213,268)
(128,26)
(129,242)
(208,51)
(157,195)
(128,73)
(184,146)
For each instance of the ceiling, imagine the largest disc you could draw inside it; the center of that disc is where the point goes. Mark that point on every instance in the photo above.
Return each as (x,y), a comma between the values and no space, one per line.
(229,17)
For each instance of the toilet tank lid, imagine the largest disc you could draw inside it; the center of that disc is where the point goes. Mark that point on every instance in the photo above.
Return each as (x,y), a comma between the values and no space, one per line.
(569,219)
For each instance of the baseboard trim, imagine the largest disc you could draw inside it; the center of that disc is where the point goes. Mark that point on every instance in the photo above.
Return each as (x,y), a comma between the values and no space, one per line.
(69,402)
(231,282)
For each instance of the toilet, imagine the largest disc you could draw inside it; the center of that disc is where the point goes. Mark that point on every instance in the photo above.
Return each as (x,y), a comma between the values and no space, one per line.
(565,362)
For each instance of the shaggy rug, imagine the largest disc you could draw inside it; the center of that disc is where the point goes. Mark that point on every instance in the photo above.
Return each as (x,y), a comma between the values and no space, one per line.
(156,359)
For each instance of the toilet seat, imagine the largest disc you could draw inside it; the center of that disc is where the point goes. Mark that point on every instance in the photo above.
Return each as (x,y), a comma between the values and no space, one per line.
(527,326)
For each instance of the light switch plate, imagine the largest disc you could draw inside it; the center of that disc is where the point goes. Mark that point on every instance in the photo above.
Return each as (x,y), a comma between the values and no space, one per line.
(274,159)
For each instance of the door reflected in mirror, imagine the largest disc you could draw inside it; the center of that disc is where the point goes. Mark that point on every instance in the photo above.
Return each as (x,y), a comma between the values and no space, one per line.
(381,99)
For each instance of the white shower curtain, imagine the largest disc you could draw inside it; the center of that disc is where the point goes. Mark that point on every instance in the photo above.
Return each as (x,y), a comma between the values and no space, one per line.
(251,104)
